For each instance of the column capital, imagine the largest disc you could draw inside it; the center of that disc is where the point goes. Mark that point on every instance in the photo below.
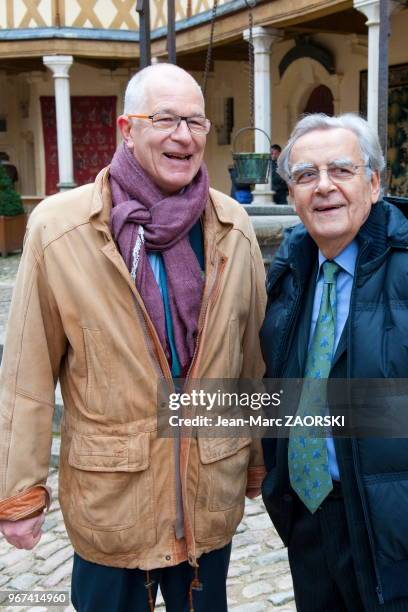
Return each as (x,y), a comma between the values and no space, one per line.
(263,38)
(59,64)
(369,8)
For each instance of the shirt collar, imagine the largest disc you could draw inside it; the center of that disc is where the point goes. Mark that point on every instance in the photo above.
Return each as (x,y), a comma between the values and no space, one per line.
(346,259)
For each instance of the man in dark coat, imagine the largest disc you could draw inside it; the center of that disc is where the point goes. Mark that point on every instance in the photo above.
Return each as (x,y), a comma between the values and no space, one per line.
(338,308)
(278,185)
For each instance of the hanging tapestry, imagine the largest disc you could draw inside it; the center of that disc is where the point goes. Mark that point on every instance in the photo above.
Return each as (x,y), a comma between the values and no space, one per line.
(93,137)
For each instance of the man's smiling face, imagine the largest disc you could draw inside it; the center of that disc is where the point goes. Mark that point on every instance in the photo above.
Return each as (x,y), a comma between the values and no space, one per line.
(170,159)
(332,212)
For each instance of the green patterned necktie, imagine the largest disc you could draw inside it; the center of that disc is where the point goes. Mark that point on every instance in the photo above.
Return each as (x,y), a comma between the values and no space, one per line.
(307,456)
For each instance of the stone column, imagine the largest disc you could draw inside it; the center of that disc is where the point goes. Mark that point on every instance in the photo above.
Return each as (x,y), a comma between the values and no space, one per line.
(60,65)
(371,9)
(263,38)
(36,80)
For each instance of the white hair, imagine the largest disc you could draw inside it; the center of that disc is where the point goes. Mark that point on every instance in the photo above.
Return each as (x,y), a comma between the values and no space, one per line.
(367,138)
(135,94)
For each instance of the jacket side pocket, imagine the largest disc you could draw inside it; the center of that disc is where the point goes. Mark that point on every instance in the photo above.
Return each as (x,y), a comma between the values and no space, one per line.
(112,490)
(222,479)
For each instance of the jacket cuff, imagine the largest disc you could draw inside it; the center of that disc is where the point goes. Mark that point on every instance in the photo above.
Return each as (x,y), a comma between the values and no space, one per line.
(256,474)
(25,504)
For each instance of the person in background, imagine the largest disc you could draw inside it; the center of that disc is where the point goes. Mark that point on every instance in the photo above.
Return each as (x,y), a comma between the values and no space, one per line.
(278,185)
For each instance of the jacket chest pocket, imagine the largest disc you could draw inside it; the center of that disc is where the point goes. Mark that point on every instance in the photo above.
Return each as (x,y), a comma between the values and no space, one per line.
(112,489)
(99,380)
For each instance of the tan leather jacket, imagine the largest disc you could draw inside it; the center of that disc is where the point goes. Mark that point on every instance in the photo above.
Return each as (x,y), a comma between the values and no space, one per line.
(76,316)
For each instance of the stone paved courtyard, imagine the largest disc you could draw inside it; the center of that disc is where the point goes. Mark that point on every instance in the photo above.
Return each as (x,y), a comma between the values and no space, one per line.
(8,271)
(259,576)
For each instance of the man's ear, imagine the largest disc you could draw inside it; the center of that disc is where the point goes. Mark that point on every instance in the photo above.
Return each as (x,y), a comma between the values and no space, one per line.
(375,186)
(125,126)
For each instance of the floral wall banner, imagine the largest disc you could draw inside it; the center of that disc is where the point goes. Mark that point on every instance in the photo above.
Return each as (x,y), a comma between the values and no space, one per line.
(93,137)
(397,141)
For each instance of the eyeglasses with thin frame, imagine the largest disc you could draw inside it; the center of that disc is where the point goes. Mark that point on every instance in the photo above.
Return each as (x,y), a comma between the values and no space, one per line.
(337,173)
(167,122)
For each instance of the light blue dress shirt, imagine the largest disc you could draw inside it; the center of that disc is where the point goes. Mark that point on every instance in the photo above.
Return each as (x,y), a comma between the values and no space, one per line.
(347,262)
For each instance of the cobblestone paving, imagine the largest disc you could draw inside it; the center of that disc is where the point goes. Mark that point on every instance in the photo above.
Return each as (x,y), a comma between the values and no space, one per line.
(259,577)
(5,297)
(8,268)
(8,271)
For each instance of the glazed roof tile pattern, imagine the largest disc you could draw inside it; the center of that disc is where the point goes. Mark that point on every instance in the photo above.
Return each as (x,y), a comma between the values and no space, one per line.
(99,14)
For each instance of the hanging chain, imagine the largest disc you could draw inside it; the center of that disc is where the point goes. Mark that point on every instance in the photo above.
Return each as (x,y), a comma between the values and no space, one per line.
(210,48)
(251,72)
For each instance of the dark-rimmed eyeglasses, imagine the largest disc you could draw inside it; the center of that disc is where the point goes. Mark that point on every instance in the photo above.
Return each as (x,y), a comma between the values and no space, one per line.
(167,122)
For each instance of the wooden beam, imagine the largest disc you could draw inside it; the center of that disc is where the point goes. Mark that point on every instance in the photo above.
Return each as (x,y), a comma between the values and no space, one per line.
(124,14)
(81,48)
(10,14)
(87,14)
(31,13)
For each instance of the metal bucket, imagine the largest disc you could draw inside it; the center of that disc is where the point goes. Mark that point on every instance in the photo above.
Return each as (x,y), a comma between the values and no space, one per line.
(252,168)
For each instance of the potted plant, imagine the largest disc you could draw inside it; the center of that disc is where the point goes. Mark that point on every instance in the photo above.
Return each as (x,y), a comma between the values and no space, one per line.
(12,217)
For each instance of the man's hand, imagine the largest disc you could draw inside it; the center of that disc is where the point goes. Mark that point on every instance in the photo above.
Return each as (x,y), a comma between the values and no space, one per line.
(25,533)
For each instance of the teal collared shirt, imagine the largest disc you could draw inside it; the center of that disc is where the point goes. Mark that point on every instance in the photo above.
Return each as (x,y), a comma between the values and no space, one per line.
(156,261)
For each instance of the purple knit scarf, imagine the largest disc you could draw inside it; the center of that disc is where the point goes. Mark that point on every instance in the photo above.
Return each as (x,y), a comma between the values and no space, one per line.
(145,219)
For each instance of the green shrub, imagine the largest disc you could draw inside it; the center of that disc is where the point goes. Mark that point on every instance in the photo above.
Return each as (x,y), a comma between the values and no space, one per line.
(10,201)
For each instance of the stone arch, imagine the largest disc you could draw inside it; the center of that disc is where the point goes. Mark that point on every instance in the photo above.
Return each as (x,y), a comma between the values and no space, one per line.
(300,79)
(304,48)
(320,101)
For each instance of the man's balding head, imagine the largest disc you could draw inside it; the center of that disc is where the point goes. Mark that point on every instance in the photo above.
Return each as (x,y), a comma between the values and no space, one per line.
(138,91)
